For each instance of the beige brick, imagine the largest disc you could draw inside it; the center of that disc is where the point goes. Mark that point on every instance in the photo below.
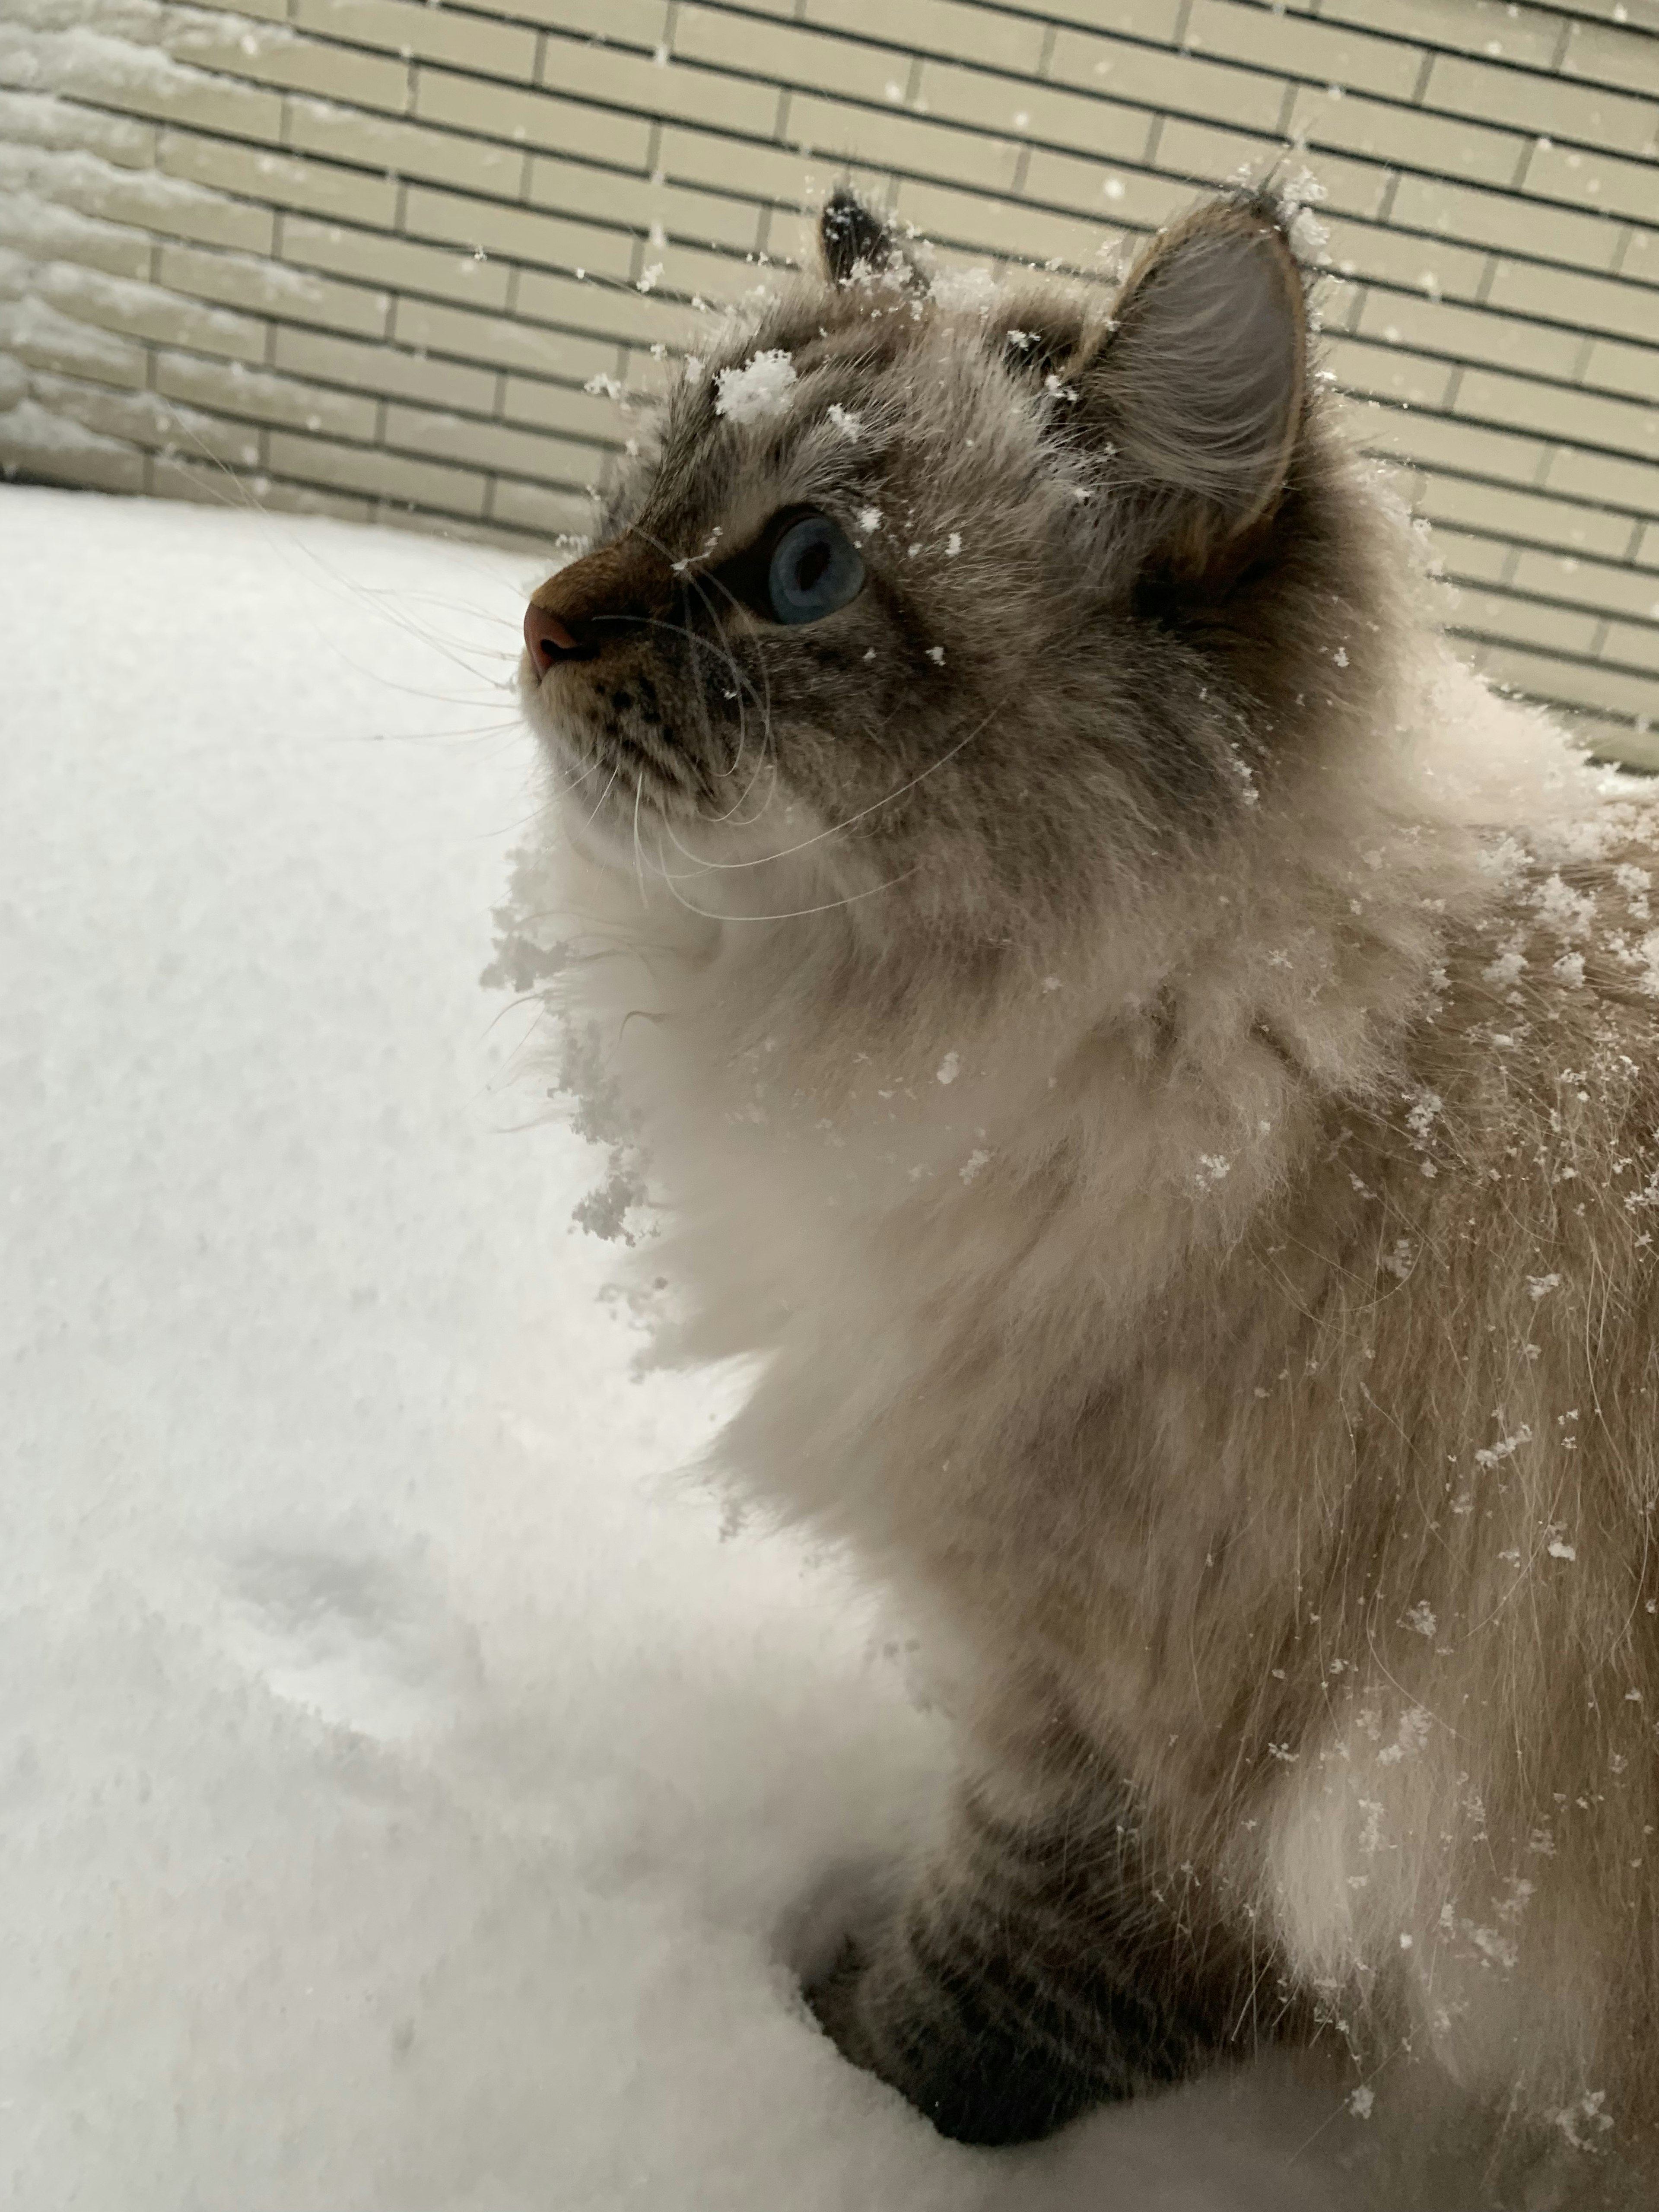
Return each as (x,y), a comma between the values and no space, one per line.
(992,36)
(144,311)
(145,418)
(1647,551)
(891,140)
(625,22)
(405,150)
(1520,514)
(261,494)
(1638,255)
(529,118)
(1435,441)
(370,255)
(15,382)
(176,209)
(170,474)
(1572,683)
(319,187)
(427,33)
(516,233)
(1431,265)
(1523,621)
(502,342)
(1615,481)
(1634,645)
(1588,303)
(1472,559)
(274,56)
(33,118)
(1020,111)
(1389,373)
(452,530)
(271,289)
(592,71)
(382,475)
(27,448)
(1470,334)
(1625,57)
(1457,211)
(1602,181)
(1455,150)
(1000,227)
(604,309)
(34,331)
(1528,35)
(710,218)
(237,390)
(41,229)
(761,173)
(1559,414)
(592,415)
(1589,583)
(1633,369)
(1337,308)
(645,377)
(790,54)
(1214,156)
(1325,52)
(539,509)
(495,445)
(1157,19)
(172,92)
(1182,82)
(689,271)
(1543,104)
(1126,196)
(383,368)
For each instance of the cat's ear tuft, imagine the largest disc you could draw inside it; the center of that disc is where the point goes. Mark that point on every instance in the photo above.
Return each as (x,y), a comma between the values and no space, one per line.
(1201,385)
(854,237)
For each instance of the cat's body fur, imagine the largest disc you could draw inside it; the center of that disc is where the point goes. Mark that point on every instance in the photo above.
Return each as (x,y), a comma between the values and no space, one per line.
(1191,1193)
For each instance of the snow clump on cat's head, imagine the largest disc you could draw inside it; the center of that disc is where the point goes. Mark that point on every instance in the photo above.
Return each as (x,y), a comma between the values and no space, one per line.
(988,604)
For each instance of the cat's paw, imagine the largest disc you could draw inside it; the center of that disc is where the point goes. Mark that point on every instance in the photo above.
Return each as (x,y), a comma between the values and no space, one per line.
(848,1903)
(827,1942)
(832,1999)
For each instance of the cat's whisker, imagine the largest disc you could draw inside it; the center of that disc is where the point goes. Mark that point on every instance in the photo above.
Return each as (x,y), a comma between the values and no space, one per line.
(835,830)
(699,582)
(792,914)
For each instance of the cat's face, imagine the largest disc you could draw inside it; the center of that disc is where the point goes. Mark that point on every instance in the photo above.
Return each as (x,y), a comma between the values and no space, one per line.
(915,588)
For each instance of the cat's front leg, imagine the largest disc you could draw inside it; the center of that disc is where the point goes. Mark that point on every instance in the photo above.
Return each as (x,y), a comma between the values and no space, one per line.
(1034,1968)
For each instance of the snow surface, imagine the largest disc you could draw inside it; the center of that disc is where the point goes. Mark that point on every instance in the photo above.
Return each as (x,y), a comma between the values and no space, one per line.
(404,1781)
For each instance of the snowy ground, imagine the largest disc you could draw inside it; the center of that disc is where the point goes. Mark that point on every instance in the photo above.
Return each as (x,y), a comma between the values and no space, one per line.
(402,1782)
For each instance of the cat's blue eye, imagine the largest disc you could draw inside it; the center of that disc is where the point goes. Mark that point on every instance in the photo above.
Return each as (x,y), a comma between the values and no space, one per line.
(814,568)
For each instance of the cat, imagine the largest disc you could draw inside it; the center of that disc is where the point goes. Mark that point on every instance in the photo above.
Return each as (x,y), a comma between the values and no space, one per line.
(1155,1063)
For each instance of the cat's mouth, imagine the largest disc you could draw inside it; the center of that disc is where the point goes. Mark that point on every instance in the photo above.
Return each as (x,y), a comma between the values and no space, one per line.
(613,744)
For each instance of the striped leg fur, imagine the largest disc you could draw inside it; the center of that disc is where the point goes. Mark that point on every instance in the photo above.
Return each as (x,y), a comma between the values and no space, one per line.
(1035,1971)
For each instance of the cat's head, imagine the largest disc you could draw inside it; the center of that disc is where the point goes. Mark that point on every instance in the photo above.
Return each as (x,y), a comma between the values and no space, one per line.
(980,603)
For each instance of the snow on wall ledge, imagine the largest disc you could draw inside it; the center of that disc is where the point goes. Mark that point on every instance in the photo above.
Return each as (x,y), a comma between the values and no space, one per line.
(388,258)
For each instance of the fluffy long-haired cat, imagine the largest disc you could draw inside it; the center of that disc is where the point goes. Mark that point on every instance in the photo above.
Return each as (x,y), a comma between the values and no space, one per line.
(1158,1067)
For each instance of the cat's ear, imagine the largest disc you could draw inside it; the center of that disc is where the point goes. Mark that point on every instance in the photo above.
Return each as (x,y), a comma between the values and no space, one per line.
(1201,385)
(854,237)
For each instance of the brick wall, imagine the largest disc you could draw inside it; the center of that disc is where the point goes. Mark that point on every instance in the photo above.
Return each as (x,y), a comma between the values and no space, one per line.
(391,257)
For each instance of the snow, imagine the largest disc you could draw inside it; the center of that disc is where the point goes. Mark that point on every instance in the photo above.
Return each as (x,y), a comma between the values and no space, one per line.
(407,1781)
(760,387)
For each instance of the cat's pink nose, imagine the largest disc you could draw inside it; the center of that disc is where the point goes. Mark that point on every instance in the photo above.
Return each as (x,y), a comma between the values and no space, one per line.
(547,639)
